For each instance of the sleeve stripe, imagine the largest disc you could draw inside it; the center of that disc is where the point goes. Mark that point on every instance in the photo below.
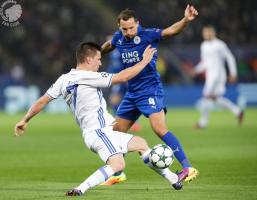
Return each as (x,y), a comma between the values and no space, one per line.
(50,95)
(110,81)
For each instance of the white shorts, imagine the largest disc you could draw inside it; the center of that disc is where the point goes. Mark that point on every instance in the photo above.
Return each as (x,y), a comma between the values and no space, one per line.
(106,142)
(214,87)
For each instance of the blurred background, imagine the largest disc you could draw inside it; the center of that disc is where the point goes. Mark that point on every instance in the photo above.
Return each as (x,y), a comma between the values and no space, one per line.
(41,47)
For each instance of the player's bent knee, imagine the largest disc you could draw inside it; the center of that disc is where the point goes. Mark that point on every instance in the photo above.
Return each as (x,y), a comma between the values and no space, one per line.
(117,162)
(118,127)
(118,166)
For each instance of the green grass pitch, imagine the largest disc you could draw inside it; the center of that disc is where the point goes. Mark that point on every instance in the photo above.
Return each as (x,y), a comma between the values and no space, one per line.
(51,158)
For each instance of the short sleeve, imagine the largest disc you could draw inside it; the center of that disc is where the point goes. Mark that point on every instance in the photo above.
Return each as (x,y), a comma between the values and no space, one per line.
(97,79)
(55,90)
(115,39)
(154,34)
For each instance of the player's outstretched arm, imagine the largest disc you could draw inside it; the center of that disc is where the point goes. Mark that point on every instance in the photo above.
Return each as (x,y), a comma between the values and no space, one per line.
(34,109)
(189,15)
(107,47)
(129,73)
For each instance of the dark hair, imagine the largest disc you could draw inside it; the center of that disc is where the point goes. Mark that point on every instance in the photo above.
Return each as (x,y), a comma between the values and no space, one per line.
(127,14)
(86,49)
(209,26)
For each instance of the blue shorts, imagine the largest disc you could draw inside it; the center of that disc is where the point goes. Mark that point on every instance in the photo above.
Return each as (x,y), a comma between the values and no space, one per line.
(132,106)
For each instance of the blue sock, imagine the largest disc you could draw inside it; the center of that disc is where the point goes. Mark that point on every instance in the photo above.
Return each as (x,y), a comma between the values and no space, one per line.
(174,144)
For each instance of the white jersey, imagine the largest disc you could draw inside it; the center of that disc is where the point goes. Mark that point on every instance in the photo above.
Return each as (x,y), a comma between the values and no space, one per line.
(81,91)
(214,53)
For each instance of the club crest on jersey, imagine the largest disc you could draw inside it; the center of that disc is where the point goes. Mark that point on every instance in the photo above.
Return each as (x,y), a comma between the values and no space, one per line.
(137,40)
(104,74)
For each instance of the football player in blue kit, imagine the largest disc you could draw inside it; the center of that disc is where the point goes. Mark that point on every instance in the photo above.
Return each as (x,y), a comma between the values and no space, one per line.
(145,93)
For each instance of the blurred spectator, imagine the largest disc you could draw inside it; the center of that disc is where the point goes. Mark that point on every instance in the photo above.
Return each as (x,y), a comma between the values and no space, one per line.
(50,30)
(13,77)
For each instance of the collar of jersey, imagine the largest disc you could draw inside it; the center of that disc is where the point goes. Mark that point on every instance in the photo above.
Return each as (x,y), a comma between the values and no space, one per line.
(139,29)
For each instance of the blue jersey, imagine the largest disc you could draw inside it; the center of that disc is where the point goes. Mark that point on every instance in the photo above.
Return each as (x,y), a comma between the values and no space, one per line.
(131,51)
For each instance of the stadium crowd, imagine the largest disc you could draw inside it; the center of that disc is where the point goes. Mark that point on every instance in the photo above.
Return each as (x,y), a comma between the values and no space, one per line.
(41,47)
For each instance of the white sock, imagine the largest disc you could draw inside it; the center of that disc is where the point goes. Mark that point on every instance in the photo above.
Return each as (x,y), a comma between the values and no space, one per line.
(205,110)
(226,103)
(166,173)
(96,178)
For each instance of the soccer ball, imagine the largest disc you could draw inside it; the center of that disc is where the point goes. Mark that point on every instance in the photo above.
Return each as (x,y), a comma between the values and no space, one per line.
(161,156)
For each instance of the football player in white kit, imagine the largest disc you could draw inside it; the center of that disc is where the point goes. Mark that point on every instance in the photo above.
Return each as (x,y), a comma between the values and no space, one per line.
(81,90)
(214,54)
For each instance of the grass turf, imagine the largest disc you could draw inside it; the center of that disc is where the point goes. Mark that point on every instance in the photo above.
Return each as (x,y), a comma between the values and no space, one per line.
(51,158)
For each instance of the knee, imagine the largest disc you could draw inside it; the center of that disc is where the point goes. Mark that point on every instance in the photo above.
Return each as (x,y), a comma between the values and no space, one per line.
(120,128)
(117,162)
(118,166)
(116,127)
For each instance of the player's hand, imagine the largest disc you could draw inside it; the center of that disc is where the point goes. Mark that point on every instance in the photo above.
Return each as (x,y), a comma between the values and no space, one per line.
(148,54)
(20,128)
(190,13)
(232,79)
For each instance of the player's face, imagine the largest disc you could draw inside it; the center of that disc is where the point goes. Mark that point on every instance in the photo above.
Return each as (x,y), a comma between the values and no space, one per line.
(95,61)
(208,33)
(129,27)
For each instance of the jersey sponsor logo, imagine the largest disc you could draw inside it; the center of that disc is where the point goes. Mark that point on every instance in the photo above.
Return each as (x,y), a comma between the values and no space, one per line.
(104,74)
(137,40)
(130,57)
